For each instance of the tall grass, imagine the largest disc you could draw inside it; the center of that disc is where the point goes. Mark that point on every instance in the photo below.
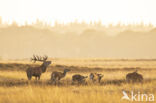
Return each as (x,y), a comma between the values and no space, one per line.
(15,88)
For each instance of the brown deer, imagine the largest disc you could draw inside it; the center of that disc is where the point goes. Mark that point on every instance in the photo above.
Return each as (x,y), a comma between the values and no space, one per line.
(134,77)
(38,70)
(95,77)
(78,78)
(56,76)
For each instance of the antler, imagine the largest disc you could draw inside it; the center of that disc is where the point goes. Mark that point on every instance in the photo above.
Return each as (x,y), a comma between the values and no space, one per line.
(45,57)
(39,58)
(34,58)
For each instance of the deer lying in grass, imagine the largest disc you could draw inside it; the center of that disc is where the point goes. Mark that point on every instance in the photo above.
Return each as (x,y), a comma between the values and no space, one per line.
(134,77)
(95,77)
(38,70)
(78,78)
(56,76)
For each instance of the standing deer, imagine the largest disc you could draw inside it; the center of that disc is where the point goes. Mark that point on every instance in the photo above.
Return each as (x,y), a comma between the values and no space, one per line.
(38,70)
(134,77)
(95,77)
(56,76)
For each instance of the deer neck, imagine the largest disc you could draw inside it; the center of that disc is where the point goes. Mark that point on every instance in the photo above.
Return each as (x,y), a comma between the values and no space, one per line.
(64,73)
(43,67)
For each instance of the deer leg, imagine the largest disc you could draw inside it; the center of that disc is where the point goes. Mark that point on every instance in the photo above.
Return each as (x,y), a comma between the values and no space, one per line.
(39,77)
(36,78)
(72,83)
(59,80)
(99,80)
(53,80)
(29,77)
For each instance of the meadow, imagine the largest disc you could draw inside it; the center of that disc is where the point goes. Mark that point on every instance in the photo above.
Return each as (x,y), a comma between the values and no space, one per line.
(15,88)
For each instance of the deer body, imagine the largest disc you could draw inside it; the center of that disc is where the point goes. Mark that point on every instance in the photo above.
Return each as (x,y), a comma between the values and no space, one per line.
(56,76)
(95,77)
(134,77)
(38,70)
(78,78)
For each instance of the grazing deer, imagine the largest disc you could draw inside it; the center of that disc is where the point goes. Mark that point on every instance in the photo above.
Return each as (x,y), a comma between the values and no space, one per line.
(38,70)
(56,76)
(134,77)
(95,77)
(78,78)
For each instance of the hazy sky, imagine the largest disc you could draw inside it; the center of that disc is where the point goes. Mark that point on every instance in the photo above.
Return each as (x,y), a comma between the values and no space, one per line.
(108,11)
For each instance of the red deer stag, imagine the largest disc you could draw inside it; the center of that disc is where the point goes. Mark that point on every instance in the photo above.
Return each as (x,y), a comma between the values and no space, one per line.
(38,70)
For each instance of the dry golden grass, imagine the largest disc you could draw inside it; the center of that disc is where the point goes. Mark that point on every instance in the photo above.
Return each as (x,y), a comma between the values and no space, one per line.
(15,88)
(70,94)
(53,94)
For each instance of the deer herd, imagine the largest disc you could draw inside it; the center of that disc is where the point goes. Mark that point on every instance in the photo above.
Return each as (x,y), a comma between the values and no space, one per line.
(76,78)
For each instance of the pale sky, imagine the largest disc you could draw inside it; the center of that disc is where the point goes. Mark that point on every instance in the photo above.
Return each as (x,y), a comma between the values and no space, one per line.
(108,11)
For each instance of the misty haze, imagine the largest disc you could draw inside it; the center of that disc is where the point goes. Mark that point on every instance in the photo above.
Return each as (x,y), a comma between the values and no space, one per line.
(77,40)
(77,51)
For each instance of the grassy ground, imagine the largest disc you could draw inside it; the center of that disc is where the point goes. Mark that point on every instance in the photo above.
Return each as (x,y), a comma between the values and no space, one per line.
(15,88)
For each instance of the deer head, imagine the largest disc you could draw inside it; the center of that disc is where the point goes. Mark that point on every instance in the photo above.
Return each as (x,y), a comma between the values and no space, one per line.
(41,59)
(66,70)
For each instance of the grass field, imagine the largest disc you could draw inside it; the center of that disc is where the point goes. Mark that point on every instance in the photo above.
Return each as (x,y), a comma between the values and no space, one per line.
(15,88)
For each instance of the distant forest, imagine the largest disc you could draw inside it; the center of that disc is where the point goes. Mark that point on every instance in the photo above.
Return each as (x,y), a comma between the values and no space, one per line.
(77,40)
